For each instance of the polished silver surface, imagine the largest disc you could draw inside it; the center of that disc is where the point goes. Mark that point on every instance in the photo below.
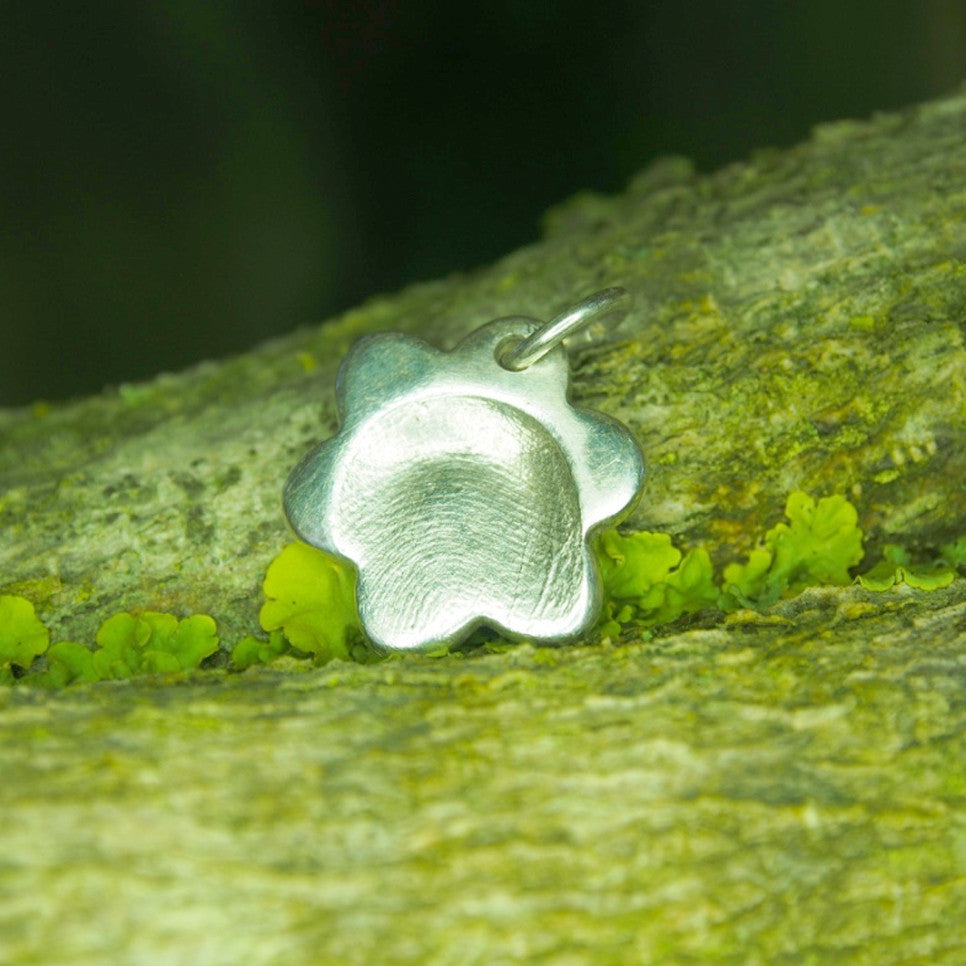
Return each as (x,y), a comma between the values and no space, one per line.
(464,492)
(530,350)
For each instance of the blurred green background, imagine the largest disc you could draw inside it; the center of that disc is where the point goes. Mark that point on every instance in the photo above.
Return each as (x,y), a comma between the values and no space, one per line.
(180,179)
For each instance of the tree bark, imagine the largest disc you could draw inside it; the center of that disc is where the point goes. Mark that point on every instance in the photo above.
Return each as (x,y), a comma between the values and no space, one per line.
(789,787)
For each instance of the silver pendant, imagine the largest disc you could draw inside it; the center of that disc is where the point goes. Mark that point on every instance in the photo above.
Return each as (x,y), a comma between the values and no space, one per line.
(464,487)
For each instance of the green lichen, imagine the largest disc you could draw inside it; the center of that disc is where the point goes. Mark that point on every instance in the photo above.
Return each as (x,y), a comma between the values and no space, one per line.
(632,564)
(646,580)
(127,645)
(67,663)
(819,545)
(251,650)
(310,609)
(22,636)
(311,600)
(955,553)
(152,642)
(896,567)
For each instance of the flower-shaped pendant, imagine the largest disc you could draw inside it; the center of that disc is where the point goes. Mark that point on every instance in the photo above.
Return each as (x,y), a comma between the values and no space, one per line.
(464,487)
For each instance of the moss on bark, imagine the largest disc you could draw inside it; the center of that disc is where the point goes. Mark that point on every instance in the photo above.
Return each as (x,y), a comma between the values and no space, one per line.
(788,788)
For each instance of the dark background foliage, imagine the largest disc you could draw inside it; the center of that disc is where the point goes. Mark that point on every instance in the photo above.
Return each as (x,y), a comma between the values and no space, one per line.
(180,179)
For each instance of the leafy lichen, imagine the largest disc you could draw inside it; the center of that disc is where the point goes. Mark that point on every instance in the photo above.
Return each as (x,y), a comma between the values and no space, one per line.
(819,545)
(310,609)
(955,553)
(68,663)
(897,567)
(311,600)
(152,642)
(647,580)
(22,635)
(127,645)
(251,650)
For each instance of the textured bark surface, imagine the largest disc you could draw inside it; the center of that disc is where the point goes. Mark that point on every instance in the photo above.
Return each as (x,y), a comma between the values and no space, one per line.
(789,789)
(774,793)
(798,325)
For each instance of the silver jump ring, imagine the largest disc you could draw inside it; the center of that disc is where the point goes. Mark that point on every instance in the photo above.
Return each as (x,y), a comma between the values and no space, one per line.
(532,349)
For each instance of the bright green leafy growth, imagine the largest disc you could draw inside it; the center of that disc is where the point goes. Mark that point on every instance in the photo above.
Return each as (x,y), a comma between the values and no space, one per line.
(152,643)
(310,607)
(67,663)
(631,564)
(691,586)
(896,568)
(613,617)
(646,579)
(747,582)
(121,641)
(311,599)
(195,638)
(254,650)
(818,545)
(22,635)
(955,553)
